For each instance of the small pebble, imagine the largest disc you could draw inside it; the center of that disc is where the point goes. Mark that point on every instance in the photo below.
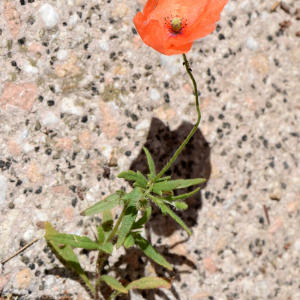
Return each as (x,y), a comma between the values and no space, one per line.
(251,44)
(68,107)
(49,15)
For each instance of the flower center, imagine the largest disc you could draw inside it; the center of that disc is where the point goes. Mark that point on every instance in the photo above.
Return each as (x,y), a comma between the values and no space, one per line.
(176,24)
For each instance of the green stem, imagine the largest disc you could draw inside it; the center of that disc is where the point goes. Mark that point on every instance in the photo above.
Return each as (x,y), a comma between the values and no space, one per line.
(193,130)
(112,234)
(102,256)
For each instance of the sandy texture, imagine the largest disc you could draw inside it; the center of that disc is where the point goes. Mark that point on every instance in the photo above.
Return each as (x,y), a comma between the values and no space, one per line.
(80,95)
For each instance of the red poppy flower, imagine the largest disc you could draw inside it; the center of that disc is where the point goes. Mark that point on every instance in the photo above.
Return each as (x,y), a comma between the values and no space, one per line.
(171,26)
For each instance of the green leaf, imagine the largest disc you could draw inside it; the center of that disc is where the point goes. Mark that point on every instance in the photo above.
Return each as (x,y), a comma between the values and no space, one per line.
(135,194)
(150,283)
(166,209)
(130,215)
(101,236)
(114,284)
(184,196)
(184,183)
(165,186)
(139,224)
(151,252)
(150,163)
(139,179)
(129,241)
(108,203)
(163,179)
(73,240)
(107,247)
(68,256)
(107,223)
(159,202)
(180,205)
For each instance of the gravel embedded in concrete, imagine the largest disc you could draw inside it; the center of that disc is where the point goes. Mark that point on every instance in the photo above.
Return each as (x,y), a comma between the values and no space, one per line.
(80,95)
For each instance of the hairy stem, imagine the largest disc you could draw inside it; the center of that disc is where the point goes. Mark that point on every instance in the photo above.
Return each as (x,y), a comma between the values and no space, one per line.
(193,130)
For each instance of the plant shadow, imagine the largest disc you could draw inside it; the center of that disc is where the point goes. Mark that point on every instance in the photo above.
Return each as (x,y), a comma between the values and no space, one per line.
(192,162)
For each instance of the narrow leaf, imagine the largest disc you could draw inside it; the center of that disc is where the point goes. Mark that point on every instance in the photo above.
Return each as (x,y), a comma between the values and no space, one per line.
(151,252)
(180,205)
(136,194)
(139,224)
(106,204)
(107,247)
(101,236)
(130,216)
(114,284)
(165,186)
(150,163)
(73,240)
(129,241)
(184,196)
(166,209)
(159,202)
(68,256)
(107,223)
(150,283)
(163,179)
(138,177)
(184,183)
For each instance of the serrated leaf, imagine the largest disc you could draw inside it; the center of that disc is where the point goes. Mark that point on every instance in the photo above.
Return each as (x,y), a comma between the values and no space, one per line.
(166,209)
(139,179)
(150,164)
(130,215)
(108,203)
(180,205)
(101,236)
(165,186)
(147,248)
(184,183)
(150,283)
(68,256)
(184,196)
(114,284)
(107,247)
(139,224)
(73,240)
(163,179)
(129,241)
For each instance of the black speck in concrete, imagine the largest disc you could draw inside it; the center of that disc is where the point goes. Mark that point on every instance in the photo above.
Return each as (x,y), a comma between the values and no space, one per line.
(74,202)
(39,190)
(48,151)
(50,102)
(221,36)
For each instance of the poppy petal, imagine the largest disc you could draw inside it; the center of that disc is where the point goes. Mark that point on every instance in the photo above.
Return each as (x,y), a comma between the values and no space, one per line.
(205,24)
(183,9)
(200,17)
(149,7)
(155,36)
